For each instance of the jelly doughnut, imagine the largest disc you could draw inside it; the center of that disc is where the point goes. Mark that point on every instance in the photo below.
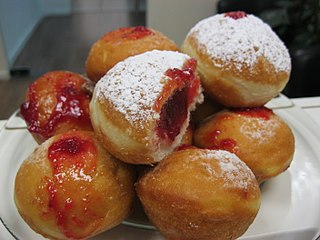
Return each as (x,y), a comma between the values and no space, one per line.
(71,188)
(257,136)
(140,109)
(200,194)
(57,102)
(241,61)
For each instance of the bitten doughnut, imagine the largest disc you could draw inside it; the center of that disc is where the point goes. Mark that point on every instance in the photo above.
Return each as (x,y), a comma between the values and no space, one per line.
(257,136)
(140,109)
(241,61)
(121,43)
(71,188)
(56,102)
(200,194)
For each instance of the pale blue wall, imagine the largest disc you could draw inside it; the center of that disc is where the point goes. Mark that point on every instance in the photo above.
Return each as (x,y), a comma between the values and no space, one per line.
(18,18)
(50,7)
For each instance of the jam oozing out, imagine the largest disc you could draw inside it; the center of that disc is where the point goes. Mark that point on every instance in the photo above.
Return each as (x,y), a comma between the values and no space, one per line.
(215,143)
(73,164)
(256,112)
(174,111)
(71,105)
(235,15)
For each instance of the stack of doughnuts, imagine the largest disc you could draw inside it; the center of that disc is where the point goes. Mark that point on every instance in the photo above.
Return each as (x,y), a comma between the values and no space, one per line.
(242,64)
(186,131)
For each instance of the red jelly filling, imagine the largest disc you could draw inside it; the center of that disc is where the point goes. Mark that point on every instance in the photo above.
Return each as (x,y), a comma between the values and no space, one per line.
(256,112)
(235,15)
(173,114)
(216,143)
(73,163)
(174,107)
(72,105)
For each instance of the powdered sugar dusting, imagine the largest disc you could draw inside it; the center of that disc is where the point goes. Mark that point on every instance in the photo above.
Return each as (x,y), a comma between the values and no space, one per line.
(241,40)
(234,171)
(134,84)
(259,129)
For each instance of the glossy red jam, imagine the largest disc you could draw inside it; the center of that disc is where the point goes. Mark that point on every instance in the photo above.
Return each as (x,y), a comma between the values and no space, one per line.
(73,164)
(214,142)
(173,114)
(175,100)
(256,112)
(236,15)
(55,98)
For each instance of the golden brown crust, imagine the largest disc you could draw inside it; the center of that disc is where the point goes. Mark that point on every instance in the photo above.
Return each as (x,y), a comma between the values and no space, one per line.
(186,197)
(265,145)
(107,192)
(115,47)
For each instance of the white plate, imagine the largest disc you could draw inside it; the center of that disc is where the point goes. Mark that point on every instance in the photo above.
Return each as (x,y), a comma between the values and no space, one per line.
(290,207)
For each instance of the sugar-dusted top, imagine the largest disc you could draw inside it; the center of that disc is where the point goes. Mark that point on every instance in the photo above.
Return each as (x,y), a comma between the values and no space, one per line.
(234,171)
(134,84)
(241,40)
(260,130)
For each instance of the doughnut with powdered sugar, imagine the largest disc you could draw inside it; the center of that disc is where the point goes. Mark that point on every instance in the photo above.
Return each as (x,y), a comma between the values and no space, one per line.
(241,61)
(200,194)
(257,136)
(140,109)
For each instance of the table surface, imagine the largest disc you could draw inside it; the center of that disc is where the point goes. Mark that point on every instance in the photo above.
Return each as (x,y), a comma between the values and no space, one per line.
(310,106)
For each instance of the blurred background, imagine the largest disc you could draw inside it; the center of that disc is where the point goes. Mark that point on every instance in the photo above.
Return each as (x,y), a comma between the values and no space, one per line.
(37,36)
